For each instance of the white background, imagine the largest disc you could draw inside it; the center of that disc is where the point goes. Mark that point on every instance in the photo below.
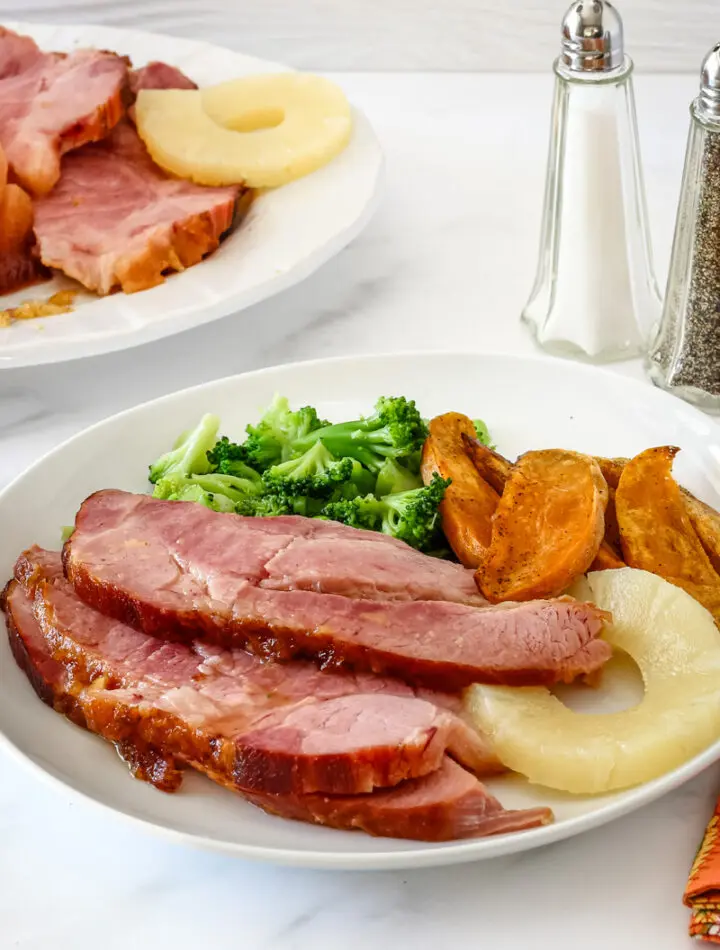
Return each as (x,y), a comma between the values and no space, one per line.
(662,35)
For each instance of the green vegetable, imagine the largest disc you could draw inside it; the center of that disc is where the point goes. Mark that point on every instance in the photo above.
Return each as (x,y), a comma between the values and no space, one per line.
(66,531)
(394,477)
(395,430)
(482,433)
(317,473)
(216,491)
(410,515)
(189,454)
(276,436)
(229,458)
(364,472)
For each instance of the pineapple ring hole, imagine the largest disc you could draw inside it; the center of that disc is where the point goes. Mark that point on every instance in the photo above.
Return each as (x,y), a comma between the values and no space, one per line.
(621,687)
(254,120)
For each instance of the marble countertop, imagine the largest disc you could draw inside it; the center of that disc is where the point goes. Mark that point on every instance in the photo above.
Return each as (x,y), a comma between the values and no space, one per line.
(445,264)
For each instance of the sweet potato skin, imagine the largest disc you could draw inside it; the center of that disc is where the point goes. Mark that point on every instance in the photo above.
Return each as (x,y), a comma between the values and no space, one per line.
(656,531)
(706,522)
(606,559)
(469,502)
(548,526)
(491,466)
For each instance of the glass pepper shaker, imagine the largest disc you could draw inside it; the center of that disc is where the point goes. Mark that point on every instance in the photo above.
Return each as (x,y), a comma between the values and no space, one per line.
(595,295)
(684,357)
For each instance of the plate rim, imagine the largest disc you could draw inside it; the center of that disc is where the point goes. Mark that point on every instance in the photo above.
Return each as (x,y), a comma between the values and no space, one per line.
(56,351)
(431,855)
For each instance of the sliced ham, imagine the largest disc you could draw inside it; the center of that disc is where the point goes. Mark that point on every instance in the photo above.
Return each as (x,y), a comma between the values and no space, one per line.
(448,803)
(443,806)
(265,727)
(156,75)
(51,103)
(176,569)
(115,220)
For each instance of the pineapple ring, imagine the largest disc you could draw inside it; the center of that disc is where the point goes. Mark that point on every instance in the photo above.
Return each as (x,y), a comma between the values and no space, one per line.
(676,645)
(262,131)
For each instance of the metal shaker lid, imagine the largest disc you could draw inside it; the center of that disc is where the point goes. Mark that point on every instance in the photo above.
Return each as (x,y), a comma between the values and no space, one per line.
(592,37)
(708,102)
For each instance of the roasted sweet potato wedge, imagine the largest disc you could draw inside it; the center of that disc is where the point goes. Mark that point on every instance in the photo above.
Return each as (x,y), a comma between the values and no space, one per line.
(606,559)
(656,532)
(496,470)
(490,464)
(469,502)
(612,469)
(706,522)
(548,526)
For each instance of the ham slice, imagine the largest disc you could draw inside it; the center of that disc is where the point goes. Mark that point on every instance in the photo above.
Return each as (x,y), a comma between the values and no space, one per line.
(51,103)
(257,726)
(69,671)
(115,220)
(178,570)
(157,75)
(444,806)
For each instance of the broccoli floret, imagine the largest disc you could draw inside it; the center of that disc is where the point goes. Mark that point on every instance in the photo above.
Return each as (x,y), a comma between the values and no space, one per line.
(219,492)
(188,455)
(410,515)
(271,505)
(393,478)
(229,458)
(274,439)
(181,488)
(481,430)
(316,473)
(395,430)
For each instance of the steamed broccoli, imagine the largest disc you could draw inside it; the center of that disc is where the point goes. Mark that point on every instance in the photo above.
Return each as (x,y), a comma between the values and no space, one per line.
(395,430)
(318,474)
(271,505)
(481,430)
(274,439)
(188,455)
(219,492)
(410,515)
(393,478)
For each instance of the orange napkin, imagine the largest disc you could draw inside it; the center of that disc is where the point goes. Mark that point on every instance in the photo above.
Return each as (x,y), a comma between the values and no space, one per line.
(702,894)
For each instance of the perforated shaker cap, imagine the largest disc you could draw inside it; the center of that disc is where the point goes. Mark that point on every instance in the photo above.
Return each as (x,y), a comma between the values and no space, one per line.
(709,100)
(592,37)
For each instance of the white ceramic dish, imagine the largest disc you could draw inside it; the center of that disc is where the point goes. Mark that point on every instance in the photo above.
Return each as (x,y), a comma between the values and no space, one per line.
(289,233)
(527,403)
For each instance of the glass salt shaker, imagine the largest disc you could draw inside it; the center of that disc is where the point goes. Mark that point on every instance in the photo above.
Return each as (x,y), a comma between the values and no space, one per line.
(684,357)
(595,295)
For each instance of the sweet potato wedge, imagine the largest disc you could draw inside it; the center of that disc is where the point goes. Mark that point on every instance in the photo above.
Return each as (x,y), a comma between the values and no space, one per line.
(656,531)
(612,469)
(606,559)
(469,502)
(548,526)
(706,522)
(496,470)
(493,468)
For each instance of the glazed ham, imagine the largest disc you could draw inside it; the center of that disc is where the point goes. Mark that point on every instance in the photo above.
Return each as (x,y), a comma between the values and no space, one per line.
(115,220)
(167,707)
(443,806)
(177,570)
(156,75)
(51,103)
(264,727)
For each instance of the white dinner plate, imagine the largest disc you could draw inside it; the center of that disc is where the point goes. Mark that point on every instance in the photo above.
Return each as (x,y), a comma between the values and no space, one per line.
(288,234)
(527,403)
